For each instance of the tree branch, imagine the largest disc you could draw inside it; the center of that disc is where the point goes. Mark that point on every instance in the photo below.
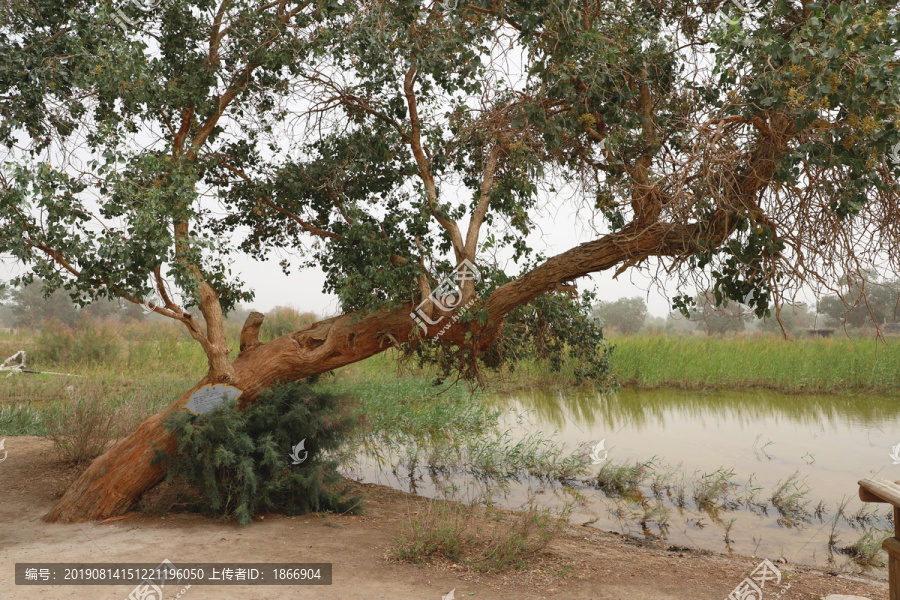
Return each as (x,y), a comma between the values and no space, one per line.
(449,225)
(487,182)
(215,38)
(250,331)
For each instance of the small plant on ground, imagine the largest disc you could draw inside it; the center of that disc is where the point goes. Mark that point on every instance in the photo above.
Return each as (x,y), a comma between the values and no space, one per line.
(83,425)
(240,461)
(440,529)
(488,539)
(517,537)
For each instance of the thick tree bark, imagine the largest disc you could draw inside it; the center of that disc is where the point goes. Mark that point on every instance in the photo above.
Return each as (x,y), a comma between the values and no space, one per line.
(113,481)
(250,332)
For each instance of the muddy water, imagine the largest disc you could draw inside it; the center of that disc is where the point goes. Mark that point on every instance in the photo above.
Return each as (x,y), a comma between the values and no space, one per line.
(820,445)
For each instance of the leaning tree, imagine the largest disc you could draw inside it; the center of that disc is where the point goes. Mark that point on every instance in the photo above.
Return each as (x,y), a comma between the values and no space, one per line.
(753,143)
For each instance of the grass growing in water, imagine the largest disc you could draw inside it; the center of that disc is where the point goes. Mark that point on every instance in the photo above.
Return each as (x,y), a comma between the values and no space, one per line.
(408,421)
(866,551)
(788,498)
(620,481)
(712,491)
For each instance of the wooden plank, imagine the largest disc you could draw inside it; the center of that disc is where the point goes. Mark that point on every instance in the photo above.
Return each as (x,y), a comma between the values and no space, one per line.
(882,490)
(892,547)
(879,490)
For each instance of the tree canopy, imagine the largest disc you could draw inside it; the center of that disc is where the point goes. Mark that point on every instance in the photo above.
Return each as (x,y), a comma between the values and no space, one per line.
(718,319)
(625,315)
(362,135)
(755,144)
(863,300)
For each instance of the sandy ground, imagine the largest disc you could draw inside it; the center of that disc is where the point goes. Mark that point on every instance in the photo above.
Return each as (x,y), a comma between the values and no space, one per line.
(581,563)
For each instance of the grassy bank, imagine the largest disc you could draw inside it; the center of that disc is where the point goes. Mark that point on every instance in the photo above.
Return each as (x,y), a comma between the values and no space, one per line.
(828,365)
(159,359)
(120,375)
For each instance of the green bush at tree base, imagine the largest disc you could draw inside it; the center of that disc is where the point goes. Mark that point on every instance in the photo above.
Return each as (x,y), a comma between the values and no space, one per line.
(240,460)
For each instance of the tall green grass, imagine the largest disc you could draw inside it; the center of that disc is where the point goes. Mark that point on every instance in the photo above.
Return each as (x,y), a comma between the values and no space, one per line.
(137,369)
(139,349)
(804,365)
(152,363)
(132,369)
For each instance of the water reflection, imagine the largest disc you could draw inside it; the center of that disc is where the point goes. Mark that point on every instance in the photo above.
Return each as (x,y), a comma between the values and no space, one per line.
(645,408)
(756,473)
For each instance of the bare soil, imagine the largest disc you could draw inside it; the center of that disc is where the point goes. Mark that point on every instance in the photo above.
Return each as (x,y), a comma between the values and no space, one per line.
(582,562)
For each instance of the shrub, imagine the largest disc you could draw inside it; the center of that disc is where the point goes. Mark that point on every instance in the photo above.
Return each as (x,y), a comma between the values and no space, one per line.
(51,344)
(440,530)
(89,343)
(488,540)
(83,426)
(240,460)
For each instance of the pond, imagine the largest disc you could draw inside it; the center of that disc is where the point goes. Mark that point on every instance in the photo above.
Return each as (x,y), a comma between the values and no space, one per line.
(756,473)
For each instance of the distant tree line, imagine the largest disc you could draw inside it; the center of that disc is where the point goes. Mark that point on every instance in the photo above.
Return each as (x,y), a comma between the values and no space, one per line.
(27,307)
(862,302)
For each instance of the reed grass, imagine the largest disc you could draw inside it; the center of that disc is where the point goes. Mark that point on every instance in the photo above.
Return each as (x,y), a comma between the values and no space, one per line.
(802,365)
(155,353)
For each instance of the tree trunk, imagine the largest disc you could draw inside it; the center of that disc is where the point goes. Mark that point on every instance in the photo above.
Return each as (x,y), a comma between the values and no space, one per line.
(115,480)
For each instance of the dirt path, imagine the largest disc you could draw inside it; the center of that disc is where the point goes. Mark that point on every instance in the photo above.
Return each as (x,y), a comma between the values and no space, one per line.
(596,565)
